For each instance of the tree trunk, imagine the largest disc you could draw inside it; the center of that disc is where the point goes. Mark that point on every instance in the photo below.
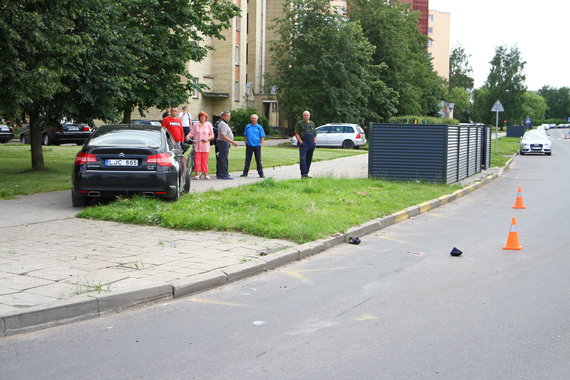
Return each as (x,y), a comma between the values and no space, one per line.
(36,141)
(128,110)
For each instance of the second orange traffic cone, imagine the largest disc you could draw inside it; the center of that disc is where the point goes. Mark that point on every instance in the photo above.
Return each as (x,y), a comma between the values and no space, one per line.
(513,237)
(519,201)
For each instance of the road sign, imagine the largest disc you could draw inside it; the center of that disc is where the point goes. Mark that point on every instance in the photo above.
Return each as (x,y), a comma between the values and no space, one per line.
(497,107)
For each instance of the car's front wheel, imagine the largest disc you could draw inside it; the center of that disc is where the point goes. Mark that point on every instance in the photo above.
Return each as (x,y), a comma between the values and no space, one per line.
(22,139)
(45,139)
(521,153)
(348,144)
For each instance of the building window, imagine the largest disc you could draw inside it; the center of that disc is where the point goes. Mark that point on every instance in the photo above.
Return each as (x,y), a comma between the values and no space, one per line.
(238,23)
(236,90)
(195,91)
(430,17)
(430,30)
(430,43)
(236,59)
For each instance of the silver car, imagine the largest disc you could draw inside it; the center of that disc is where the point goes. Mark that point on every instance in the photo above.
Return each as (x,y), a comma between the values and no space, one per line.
(339,135)
(536,142)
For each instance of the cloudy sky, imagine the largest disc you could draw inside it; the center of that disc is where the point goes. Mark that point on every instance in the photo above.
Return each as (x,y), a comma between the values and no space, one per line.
(540,29)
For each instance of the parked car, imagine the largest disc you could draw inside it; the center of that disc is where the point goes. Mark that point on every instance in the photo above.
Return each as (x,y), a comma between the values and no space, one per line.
(145,122)
(6,133)
(65,133)
(343,135)
(122,160)
(535,142)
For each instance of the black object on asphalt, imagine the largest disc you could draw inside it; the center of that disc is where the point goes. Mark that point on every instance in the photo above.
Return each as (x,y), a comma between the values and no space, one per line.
(455,252)
(355,240)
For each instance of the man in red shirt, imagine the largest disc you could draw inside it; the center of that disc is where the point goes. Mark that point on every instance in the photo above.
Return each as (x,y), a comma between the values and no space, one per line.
(174,126)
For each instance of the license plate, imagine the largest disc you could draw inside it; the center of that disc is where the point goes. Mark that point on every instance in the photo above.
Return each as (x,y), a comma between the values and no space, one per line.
(121,162)
(73,128)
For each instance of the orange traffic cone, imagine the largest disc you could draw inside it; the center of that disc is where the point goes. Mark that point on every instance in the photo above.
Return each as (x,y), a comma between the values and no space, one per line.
(519,201)
(513,238)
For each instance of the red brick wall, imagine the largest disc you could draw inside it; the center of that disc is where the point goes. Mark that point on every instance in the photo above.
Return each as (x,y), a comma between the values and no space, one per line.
(423,7)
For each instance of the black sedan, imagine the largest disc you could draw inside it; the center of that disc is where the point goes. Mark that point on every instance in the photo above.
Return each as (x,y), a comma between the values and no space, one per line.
(6,133)
(65,133)
(122,160)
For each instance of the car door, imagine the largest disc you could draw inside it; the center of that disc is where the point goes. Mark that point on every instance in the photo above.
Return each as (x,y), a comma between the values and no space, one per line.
(323,136)
(336,135)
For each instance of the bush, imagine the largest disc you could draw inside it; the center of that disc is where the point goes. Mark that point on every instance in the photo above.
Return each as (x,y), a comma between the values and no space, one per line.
(549,121)
(241,118)
(415,119)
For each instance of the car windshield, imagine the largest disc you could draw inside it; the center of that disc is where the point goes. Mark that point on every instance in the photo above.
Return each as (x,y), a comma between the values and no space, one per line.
(535,136)
(126,137)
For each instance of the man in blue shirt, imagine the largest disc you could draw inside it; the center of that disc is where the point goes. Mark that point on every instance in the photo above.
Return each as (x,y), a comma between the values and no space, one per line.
(253,138)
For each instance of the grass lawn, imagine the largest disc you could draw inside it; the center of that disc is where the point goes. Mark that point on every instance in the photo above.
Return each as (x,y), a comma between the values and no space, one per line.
(297,210)
(16,177)
(507,147)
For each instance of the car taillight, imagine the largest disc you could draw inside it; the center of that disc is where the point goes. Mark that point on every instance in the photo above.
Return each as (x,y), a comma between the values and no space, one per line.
(86,128)
(163,159)
(83,158)
(358,135)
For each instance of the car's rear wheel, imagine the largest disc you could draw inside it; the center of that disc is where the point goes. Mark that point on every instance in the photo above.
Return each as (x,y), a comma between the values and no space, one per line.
(78,201)
(176,195)
(348,144)
(45,139)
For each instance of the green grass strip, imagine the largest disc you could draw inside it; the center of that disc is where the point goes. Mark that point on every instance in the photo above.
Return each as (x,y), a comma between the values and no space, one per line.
(295,210)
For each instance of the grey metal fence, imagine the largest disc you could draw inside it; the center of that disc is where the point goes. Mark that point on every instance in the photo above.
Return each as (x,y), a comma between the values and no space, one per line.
(433,153)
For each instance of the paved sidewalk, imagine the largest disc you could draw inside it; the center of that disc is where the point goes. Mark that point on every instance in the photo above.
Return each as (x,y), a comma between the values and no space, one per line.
(55,268)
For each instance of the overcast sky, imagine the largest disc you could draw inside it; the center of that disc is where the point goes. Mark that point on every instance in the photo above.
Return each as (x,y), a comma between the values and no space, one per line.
(540,29)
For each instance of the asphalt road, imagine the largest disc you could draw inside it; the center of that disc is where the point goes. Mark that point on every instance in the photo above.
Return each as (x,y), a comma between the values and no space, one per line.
(396,306)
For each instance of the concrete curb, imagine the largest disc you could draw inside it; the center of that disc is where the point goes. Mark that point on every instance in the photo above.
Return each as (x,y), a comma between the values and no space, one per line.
(67,312)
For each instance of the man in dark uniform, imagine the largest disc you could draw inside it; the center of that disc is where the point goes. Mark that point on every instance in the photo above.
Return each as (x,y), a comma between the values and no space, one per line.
(306,134)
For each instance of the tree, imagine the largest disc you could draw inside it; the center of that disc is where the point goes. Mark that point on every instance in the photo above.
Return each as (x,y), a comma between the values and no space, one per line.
(482,105)
(164,36)
(506,82)
(460,71)
(88,59)
(462,100)
(534,106)
(558,101)
(39,54)
(324,64)
(400,47)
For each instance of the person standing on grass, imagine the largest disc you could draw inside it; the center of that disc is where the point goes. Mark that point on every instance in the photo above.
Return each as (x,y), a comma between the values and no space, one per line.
(306,134)
(225,139)
(201,132)
(174,126)
(253,136)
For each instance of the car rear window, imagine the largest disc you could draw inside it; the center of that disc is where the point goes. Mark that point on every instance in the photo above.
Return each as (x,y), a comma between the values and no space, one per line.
(127,137)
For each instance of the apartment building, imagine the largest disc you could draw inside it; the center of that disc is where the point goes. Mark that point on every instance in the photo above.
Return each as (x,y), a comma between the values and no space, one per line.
(438,46)
(234,72)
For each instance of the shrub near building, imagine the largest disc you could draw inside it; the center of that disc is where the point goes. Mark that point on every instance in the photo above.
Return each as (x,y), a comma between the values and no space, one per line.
(242,117)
